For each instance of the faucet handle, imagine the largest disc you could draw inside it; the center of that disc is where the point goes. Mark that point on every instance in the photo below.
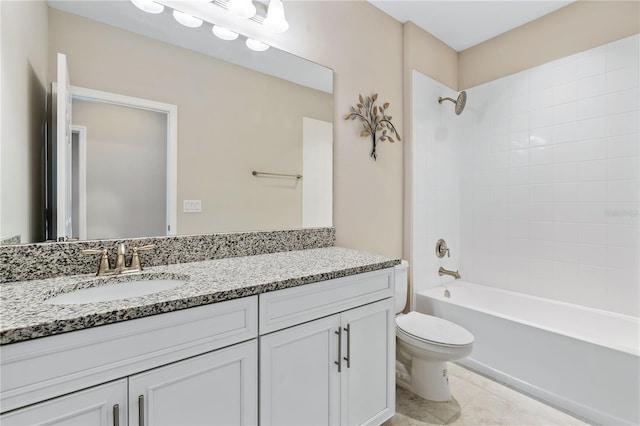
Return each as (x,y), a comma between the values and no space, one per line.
(103,267)
(135,259)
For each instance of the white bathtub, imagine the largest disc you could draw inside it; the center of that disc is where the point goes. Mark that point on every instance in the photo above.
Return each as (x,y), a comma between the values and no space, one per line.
(585,361)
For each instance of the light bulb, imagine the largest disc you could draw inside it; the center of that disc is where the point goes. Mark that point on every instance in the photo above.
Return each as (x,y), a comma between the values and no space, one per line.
(224,33)
(148,6)
(256,45)
(186,19)
(275,20)
(242,8)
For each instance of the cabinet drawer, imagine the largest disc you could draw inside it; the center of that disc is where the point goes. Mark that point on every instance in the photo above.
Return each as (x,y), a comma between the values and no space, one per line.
(39,369)
(285,308)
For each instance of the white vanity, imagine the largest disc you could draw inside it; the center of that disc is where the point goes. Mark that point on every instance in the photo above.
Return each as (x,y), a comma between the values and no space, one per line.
(318,353)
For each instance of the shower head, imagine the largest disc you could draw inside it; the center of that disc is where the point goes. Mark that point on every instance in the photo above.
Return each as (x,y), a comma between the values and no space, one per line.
(460,102)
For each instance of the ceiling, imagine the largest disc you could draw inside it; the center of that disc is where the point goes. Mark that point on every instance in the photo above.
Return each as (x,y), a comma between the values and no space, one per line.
(462,24)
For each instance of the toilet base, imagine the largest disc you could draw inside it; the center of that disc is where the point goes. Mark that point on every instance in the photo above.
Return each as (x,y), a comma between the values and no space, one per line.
(430,379)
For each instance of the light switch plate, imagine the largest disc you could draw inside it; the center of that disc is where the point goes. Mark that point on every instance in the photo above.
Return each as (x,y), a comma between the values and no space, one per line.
(192,206)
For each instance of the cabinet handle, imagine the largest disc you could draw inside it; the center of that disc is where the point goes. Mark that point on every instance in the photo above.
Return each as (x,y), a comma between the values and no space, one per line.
(141,410)
(339,361)
(116,415)
(348,357)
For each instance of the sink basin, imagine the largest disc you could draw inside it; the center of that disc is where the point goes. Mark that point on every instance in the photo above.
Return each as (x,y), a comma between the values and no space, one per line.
(106,293)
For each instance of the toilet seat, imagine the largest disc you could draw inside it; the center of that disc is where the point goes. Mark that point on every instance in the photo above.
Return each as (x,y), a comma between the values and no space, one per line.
(433,330)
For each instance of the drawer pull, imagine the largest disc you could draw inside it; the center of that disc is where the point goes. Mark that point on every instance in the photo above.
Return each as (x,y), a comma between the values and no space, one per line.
(348,357)
(141,410)
(339,361)
(116,415)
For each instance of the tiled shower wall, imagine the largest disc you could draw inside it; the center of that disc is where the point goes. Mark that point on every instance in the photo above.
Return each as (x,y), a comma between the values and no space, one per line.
(546,164)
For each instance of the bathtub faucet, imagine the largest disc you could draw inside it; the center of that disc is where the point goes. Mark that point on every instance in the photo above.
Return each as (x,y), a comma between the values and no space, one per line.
(454,274)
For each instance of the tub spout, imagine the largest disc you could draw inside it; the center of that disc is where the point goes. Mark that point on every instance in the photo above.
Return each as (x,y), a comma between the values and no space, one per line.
(454,274)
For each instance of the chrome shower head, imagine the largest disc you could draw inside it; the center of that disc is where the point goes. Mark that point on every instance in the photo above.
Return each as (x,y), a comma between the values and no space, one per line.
(460,102)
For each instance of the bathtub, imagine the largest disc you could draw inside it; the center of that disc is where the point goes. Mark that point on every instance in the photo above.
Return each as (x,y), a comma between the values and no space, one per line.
(582,360)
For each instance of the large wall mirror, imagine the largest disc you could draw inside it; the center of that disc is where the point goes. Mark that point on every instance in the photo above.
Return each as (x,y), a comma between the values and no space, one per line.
(238,111)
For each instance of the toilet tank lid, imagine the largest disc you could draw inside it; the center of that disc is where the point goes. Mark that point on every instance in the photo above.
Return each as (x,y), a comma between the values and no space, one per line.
(434,329)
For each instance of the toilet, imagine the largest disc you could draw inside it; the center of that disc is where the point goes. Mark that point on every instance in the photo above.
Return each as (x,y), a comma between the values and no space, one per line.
(424,346)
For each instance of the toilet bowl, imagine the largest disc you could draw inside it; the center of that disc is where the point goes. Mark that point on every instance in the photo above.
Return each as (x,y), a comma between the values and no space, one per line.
(424,346)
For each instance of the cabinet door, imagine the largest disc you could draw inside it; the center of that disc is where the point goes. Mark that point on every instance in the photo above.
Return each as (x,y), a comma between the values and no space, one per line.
(368,379)
(217,388)
(299,379)
(104,405)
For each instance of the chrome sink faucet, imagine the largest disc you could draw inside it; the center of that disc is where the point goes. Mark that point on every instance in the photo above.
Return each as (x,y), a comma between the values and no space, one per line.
(120,267)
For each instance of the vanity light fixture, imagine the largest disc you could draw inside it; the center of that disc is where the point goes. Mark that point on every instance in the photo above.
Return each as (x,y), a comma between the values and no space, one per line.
(186,19)
(256,45)
(275,20)
(242,8)
(224,33)
(148,6)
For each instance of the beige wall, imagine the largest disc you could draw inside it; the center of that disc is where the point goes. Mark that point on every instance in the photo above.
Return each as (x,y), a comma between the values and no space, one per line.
(231,120)
(364,47)
(23,99)
(579,26)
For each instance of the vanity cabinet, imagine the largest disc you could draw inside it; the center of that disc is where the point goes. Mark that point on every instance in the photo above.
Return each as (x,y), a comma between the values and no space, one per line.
(334,370)
(320,354)
(98,406)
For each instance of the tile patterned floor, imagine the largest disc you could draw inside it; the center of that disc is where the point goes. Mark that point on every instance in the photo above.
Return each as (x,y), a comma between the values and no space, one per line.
(482,402)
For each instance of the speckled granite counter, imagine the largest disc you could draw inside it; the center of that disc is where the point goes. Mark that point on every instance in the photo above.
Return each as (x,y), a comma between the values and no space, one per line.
(24,315)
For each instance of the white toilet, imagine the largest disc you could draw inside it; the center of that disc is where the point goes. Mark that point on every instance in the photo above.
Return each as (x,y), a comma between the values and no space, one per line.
(424,346)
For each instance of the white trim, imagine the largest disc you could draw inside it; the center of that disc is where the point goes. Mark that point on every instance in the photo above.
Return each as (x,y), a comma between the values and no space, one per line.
(82,179)
(171,110)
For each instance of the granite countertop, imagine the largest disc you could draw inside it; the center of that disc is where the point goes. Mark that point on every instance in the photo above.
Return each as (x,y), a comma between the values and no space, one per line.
(24,314)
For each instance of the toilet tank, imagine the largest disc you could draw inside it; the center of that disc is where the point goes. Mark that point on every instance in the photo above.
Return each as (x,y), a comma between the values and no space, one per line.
(402,284)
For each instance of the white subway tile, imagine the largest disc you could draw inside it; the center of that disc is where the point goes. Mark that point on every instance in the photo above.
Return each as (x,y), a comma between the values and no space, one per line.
(542,117)
(564,273)
(567,132)
(623,146)
(623,258)
(541,173)
(622,124)
(592,86)
(519,211)
(542,98)
(519,122)
(592,128)
(566,212)
(519,229)
(565,93)
(565,252)
(519,194)
(592,254)
(592,149)
(593,192)
(518,175)
(623,235)
(592,64)
(622,53)
(565,192)
(592,107)
(565,232)
(623,101)
(541,155)
(541,231)
(541,193)
(541,136)
(565,152)
(623,291)
(565,113)
(594,170)
(542,269)
(622,79)
(541,249)
(519,140)
(594,213)
(624,191)
(565,172)
(623,168)
(622,213)
(566,72)
(593,285)
(541,212)
(498,160)
(590,233)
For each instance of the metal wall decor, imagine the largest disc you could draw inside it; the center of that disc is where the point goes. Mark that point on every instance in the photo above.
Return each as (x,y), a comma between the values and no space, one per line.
(374,119)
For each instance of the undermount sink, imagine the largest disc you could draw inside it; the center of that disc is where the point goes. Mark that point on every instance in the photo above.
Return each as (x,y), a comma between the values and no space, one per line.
(110,292)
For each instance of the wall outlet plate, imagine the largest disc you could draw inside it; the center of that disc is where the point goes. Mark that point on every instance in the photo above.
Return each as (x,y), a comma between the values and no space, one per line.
(192,206)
